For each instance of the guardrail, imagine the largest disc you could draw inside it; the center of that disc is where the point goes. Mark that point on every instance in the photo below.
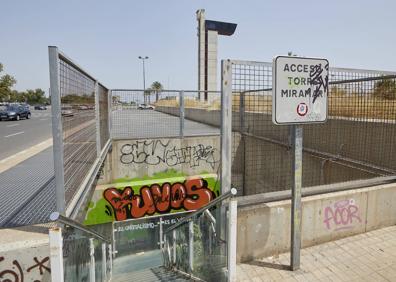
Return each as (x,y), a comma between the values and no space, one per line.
(78,253)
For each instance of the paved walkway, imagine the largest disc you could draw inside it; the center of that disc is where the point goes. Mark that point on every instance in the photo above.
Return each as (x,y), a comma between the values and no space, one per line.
(366,257)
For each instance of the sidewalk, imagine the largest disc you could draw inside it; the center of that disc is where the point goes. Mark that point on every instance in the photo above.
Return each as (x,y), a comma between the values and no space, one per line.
(366,257)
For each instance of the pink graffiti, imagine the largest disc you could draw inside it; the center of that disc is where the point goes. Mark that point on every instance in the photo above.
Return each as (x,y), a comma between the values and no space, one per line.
(341,215)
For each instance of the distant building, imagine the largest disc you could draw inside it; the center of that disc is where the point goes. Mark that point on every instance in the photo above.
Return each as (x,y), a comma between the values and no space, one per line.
(207,51)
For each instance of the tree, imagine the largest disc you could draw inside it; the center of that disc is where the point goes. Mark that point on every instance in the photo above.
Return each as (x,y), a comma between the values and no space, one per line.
(385,89)
(157,87)
(6,83)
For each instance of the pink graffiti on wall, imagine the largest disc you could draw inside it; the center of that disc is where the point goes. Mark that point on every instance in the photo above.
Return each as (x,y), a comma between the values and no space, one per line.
(341,215)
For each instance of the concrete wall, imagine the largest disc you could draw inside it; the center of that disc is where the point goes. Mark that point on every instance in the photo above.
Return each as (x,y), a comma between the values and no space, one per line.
(137,174)
(24,255)
(145,157)
(264,229)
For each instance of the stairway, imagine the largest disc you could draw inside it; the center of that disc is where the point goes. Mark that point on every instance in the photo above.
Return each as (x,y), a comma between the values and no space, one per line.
(149,275)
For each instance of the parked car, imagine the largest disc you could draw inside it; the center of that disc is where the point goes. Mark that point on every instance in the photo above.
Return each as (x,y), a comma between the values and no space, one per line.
(145,107)
(26,106)
(40,107)
(67,111)
(14,112)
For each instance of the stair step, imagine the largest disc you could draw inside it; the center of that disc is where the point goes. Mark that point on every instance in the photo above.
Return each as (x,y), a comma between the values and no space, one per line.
(154,274)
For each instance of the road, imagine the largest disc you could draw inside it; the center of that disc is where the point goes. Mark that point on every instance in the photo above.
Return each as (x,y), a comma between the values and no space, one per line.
(16,136)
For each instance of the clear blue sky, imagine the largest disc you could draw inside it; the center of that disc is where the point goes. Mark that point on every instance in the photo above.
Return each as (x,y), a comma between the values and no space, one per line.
(106,37)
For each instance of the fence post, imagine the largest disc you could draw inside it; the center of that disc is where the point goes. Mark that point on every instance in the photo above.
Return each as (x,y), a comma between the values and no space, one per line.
(92,263)
(97,119)
(104,262)
(57,131)
(297,136)
(226,136)
(56,254)
(242,111)
(181,113)
(109,112)
(191,245)
(232,239)
(243,137)
(226,119)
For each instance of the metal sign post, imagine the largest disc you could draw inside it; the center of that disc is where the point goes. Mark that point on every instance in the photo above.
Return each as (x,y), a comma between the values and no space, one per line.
(300,87)
(296,209)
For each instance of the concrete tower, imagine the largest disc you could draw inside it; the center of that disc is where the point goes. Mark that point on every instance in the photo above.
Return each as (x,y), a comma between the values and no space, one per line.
(207,51)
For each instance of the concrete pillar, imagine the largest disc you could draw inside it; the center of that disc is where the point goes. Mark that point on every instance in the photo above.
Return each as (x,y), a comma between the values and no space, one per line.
(201,51)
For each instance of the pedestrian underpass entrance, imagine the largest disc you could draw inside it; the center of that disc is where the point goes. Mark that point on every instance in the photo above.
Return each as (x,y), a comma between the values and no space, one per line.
(167,155)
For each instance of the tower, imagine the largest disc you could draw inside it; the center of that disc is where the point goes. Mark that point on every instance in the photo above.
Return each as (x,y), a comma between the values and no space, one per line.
(207,51)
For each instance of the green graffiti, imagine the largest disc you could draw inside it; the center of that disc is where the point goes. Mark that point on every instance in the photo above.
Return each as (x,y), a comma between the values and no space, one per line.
(101,212)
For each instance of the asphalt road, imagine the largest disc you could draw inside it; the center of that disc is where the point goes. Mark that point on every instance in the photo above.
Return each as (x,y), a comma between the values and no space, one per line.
(16,136)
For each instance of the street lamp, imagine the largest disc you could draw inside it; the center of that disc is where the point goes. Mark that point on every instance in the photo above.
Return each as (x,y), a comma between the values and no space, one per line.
(144,76)
(144,73)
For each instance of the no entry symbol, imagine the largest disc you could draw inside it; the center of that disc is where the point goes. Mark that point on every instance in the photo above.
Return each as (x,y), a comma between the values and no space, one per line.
(302,109)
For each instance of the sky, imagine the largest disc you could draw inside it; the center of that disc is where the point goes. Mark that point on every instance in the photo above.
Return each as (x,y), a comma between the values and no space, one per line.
(106,37)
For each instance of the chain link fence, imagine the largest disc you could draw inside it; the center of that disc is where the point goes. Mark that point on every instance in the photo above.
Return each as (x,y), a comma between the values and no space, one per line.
(355,143)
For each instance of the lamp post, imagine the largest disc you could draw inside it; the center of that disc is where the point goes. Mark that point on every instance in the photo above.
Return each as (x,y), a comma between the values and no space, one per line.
(144,77)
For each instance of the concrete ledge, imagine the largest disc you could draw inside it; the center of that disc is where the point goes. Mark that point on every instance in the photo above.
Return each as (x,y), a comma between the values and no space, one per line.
(264,229)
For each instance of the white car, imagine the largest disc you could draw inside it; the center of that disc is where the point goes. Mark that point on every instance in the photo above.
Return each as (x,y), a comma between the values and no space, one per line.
(145,107)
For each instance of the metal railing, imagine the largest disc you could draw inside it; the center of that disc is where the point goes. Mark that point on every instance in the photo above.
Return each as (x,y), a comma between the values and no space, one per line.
(202,245)
(78,253)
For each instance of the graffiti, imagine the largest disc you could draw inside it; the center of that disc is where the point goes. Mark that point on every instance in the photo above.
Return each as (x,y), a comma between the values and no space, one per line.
(316,78)
(189,195)
(15,272)
(40,265)
(148,225)
(155,152)
(341,215)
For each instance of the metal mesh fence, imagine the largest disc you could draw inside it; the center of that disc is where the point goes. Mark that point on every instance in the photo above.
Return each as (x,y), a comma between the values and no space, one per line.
(80,127)
(104,130)
(167,113)
(355,142)
(77,92)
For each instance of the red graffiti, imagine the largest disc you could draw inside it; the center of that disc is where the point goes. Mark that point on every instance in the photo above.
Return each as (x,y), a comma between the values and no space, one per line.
(190,195)
(341,215)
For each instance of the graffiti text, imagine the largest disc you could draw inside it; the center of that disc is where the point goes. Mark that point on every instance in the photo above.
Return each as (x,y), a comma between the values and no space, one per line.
(154,152)
(190,195)
(341,215)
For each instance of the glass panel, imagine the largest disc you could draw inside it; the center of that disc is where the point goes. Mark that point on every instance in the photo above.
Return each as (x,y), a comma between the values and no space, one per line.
(199,247)
(137,242)
(76,255)
(98,260)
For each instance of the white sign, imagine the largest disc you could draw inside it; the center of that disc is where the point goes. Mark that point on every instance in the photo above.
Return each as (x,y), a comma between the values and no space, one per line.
(300,87)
